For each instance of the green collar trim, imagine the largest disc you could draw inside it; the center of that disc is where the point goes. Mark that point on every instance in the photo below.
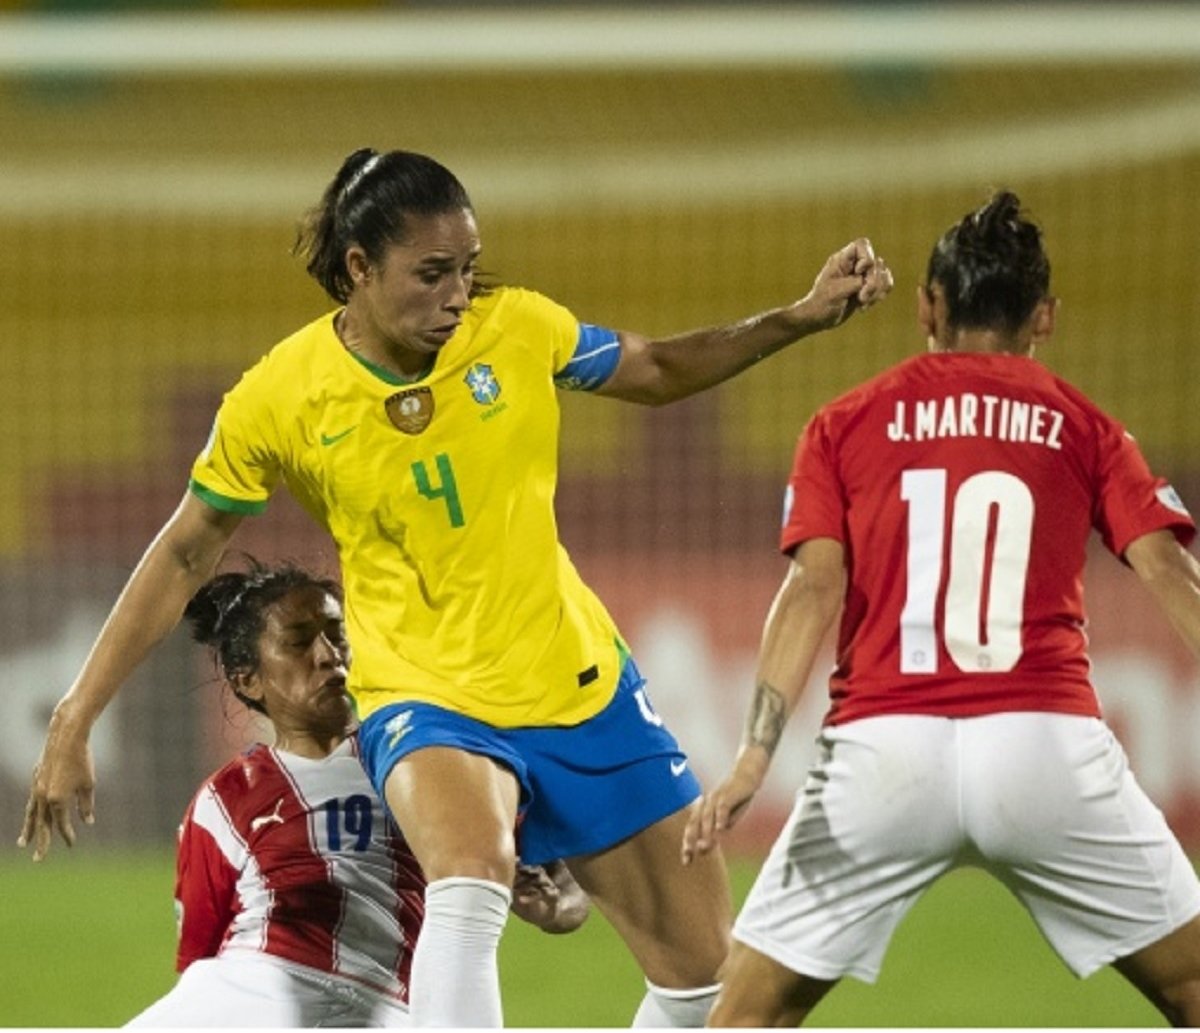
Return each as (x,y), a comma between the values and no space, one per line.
(386,375)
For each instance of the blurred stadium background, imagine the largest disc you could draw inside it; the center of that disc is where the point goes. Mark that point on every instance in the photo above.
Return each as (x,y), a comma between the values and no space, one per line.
(652,167)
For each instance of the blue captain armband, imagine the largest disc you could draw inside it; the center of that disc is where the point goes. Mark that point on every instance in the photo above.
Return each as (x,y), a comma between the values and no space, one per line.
(597,352)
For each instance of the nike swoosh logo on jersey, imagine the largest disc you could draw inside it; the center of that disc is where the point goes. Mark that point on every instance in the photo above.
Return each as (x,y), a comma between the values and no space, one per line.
(678,767)
(333,439)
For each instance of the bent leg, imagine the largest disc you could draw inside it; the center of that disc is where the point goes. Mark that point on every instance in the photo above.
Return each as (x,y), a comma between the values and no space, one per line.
(1168,973)
(757,991)
(457,811)
(674,919)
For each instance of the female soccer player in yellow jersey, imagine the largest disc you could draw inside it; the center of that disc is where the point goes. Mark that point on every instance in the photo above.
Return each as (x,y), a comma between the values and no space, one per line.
(418,424)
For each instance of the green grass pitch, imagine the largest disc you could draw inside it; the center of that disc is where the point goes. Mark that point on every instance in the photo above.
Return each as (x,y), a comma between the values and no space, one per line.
(87,939)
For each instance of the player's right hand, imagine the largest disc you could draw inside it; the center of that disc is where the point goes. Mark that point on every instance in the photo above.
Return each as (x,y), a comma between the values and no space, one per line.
(718,811)
(64,775)
(852,278)
(549,897)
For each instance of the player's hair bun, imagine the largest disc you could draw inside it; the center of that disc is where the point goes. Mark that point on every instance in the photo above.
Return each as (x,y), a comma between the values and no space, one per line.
(207,609)
(992,266)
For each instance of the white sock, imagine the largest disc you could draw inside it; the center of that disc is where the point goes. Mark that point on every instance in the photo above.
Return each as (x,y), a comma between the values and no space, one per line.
(455,978)
(675,1009)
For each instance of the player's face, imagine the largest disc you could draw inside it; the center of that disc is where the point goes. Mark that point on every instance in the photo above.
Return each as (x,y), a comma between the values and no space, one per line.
(416,296)
(303,656)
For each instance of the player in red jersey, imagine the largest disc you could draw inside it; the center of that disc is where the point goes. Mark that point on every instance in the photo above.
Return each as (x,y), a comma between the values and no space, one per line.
(299,901)
(943,509)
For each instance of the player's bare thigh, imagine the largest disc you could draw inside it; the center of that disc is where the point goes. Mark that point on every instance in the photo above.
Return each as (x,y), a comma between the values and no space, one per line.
(675,919)
(457,811)
(1168,973)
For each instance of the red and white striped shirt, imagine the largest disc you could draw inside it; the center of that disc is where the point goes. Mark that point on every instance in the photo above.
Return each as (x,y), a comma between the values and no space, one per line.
(296,858)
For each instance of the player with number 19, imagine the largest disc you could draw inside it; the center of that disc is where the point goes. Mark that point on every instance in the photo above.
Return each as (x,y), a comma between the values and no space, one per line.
(299,902)
(943,508)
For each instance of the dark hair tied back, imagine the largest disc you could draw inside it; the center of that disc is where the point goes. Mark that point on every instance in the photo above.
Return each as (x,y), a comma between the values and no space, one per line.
(228,614)
(992,266)
(366,204)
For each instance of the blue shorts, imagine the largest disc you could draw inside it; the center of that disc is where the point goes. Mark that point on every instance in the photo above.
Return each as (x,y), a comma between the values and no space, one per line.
(583,788)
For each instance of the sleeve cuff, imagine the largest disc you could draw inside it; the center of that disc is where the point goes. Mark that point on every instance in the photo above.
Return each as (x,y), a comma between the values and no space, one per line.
(246,507)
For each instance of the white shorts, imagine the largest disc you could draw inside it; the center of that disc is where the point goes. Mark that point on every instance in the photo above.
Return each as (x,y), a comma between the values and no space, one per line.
(258,990)
(1045,802)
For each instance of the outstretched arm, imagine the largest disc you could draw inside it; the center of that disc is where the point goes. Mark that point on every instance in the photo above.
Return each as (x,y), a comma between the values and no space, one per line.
(655,372)
(805,607)
(1173,576)
(177,563)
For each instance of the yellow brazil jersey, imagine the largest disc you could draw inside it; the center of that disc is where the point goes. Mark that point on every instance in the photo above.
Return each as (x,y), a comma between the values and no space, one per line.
(440,497)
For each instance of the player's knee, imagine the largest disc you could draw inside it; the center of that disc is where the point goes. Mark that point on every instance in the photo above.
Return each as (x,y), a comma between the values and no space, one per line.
(498,866)
(706,955)
(687,956)
(487,853)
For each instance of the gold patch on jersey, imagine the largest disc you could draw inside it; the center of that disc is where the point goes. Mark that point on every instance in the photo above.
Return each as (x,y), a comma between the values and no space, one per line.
(410,411)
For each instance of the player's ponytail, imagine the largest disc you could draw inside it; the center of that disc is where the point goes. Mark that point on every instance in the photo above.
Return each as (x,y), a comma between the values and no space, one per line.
(992,266)
(365,205)
(318,238)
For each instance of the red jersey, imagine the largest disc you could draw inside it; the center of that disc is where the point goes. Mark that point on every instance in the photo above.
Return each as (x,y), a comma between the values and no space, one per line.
(296,858)
(964,487)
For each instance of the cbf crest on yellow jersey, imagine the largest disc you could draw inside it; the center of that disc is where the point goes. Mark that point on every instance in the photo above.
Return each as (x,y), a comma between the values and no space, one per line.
(440,497)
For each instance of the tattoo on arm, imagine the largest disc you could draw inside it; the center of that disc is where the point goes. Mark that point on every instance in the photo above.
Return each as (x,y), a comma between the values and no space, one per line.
(768,714)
